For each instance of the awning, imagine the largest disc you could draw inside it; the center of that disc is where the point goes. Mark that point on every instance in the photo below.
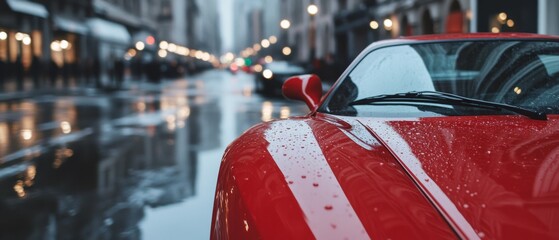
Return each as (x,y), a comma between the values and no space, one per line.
(106,9)
(109,31)
(70,25)
(28,7)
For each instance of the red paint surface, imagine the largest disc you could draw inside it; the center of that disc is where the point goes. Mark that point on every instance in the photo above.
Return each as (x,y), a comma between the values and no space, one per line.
(306,88)
(497,176)
(500,172)
(252,188)
(471,36)
(388,204)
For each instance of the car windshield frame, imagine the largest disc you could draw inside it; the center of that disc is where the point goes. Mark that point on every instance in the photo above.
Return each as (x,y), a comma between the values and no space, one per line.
(328,98)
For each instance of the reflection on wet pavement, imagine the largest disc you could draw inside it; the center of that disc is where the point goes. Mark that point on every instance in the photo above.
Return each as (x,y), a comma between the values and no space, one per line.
(134,164)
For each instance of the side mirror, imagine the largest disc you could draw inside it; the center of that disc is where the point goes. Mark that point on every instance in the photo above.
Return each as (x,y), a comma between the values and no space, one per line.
(306,88)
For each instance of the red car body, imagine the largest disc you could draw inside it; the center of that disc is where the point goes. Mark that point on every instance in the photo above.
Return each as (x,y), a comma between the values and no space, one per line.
(336,177)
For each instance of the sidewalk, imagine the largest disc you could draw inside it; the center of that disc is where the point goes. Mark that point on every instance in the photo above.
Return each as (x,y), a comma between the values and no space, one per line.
(11,92)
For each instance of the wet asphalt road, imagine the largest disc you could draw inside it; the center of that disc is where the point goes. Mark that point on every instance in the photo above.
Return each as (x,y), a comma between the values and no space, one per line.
(140,163)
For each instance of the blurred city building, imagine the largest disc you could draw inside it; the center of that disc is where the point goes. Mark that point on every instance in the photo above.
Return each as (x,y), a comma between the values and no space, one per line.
(311,35)
(207,29)
(100,40)
(327,35)
(255,20)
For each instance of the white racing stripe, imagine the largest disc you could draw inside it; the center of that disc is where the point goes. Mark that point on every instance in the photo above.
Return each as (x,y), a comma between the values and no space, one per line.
(296,152)
(403,152)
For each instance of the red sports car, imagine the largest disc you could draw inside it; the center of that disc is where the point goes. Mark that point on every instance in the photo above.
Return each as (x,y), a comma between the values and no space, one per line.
(432,137)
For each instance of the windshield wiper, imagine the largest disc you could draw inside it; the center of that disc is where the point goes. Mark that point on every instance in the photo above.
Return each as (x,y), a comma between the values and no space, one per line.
(447,98)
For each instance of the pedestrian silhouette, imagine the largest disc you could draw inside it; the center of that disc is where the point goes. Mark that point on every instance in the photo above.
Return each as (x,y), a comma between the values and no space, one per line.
(154,71)
(36,71)
(3,74)
(96,68)
(53,72)
(119,72)
(19,72)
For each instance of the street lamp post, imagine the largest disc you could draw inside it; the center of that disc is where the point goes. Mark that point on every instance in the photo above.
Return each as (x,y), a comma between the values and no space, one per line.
(285,25)
(21,39)
(312,10)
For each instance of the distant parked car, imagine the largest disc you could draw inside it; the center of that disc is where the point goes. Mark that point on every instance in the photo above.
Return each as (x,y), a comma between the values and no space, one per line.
(274,74)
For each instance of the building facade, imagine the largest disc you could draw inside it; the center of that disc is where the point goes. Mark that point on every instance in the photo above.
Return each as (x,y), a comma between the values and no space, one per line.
(311,36)
(23,25)
(207,27)
(79,39)
(343,28)
(256,20)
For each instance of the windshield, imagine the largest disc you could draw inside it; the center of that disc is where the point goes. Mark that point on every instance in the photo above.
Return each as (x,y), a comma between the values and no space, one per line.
(520,73)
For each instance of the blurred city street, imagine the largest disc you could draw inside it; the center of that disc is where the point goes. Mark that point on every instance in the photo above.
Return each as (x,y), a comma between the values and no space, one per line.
(115,114)
(140,162)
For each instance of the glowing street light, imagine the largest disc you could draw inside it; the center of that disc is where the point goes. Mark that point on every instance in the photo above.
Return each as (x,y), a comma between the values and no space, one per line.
(273,39)
(503,16)
(20,36)
(172,47)
(164,45)
(285,24)
(268,59)
(268,74)
(64,44)
(3,36)
(286,51)
(265,43)
(374,25)
(162,53)
(388,24)
(140,45)
(257,68)
(132,53)
(312,9)
(26,40)
(55,46)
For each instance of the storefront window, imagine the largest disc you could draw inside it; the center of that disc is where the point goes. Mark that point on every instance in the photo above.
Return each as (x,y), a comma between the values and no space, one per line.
(3,45)
(13,46)
(37,43)
(64,49)
(26,54)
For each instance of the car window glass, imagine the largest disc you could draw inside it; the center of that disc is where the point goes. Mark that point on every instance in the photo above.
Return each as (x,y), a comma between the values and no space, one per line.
(381,72)
(551,63)
(521,73)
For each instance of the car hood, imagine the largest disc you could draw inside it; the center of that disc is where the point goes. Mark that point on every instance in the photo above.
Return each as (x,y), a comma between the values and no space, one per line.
(346,183)
(329,177)
(489,176)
